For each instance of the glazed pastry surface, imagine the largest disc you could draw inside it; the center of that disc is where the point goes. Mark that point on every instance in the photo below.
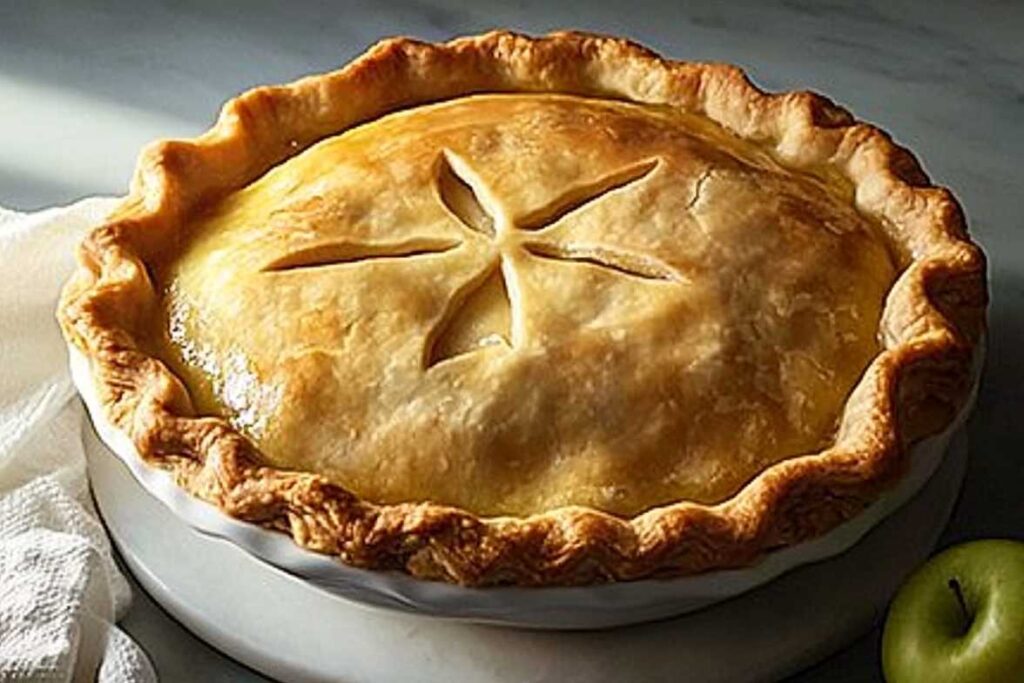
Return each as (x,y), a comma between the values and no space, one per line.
(513,303)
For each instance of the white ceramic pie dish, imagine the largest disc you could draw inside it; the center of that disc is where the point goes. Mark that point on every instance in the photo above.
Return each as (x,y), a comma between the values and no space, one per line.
(587,607)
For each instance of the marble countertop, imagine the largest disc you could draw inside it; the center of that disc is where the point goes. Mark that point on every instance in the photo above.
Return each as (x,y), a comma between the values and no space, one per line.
(84,85)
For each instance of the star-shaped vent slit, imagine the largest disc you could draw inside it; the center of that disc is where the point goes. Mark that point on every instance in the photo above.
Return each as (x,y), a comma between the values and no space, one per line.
(582,195)
(481,313)
(460,197)
(623,262)
(335,253)
(479,316)
(487,310)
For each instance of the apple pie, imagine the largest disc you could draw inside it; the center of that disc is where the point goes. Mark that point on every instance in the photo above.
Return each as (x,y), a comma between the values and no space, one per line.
(534,311)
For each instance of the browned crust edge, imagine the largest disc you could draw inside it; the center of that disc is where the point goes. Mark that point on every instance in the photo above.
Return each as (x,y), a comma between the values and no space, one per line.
(933,319)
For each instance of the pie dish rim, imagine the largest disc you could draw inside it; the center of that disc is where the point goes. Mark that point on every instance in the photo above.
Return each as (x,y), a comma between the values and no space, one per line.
(586,607)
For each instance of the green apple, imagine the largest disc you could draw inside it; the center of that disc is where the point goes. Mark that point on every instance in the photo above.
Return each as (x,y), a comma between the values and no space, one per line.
(960,618)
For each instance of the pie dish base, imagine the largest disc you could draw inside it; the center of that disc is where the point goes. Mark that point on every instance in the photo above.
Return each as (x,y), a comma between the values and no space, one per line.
(207,585)
(589,607)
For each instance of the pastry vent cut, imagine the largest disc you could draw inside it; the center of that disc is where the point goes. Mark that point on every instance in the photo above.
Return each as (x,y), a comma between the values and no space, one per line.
(645,267)
(577,198)
(489,311)
(459,197)
(479,317)
(335,253)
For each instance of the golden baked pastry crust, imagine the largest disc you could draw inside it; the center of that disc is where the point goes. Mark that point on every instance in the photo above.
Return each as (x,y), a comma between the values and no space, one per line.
(915,381)
(513,303)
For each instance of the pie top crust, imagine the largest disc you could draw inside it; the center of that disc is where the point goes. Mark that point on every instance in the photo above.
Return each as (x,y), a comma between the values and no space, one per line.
(513,303)
(534,311)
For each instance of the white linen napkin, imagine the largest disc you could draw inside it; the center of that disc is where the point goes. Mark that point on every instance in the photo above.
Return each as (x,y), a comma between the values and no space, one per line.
(60,592)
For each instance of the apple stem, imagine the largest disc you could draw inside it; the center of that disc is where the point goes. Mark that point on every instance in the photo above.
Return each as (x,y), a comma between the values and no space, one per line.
(958,591)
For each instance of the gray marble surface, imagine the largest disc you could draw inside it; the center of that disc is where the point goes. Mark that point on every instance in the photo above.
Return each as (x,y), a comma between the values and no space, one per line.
(83,85)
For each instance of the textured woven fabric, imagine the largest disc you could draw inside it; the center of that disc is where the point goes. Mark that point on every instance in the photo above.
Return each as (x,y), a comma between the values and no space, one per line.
(60,592)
